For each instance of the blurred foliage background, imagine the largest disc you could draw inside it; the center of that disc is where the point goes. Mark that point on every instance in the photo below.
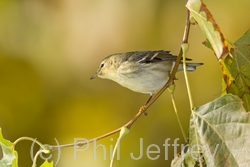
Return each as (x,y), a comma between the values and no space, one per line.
(50,48)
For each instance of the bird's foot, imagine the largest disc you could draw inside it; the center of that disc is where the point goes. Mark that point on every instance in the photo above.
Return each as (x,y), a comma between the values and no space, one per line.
(143,110)
(173,78)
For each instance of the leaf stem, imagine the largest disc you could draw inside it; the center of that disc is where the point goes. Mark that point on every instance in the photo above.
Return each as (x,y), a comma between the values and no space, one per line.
(36,156)
(124,131)
(30,139)
(177,116)
(185,49)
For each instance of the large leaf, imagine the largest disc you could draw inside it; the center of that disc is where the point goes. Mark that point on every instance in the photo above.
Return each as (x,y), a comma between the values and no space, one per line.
(236,70)
(219,134)
(200,13)
(9,154)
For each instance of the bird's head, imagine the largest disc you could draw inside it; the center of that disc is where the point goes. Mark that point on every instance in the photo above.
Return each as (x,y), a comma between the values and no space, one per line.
(107,68)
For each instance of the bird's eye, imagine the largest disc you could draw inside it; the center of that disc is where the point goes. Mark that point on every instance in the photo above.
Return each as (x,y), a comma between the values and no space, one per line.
(102,65)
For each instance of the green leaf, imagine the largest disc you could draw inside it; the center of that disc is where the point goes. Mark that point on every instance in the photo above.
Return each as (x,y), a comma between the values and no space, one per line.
(219,134)
(236,70)
(200,13)
(10,156)
(177,161)
(47,164)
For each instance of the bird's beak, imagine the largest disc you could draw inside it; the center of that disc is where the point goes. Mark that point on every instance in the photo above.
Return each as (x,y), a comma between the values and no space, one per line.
(94,76)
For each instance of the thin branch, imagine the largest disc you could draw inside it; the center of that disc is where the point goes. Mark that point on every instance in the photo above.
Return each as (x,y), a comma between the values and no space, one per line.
(145,107)
(79,144)
(30,139)
(178,60)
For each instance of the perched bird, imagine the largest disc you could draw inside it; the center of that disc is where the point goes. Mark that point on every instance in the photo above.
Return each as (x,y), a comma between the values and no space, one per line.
(141,71)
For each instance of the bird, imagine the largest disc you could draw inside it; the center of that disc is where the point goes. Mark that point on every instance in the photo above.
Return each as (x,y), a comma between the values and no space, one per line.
(141,71)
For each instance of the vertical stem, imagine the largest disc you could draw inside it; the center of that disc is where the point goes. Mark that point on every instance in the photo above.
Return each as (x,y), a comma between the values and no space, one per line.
(177,116)
(185,49)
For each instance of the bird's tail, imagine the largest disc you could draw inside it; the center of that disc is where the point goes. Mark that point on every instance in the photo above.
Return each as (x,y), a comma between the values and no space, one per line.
(192,66)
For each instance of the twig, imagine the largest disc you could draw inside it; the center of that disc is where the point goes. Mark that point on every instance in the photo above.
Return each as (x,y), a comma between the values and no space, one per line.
(79,144)
(178,60)
(30,139)
(154,98)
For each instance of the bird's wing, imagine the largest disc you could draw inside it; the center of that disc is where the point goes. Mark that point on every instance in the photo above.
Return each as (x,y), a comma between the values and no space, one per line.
(150,56)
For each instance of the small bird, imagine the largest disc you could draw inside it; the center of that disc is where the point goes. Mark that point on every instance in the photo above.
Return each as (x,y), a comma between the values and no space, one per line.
(141,71)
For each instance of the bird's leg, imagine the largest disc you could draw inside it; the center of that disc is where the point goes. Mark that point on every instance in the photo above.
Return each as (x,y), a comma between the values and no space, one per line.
(142,109)
(150,97)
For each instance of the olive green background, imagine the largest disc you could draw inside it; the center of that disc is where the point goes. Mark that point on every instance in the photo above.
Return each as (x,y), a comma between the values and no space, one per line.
(50,48)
